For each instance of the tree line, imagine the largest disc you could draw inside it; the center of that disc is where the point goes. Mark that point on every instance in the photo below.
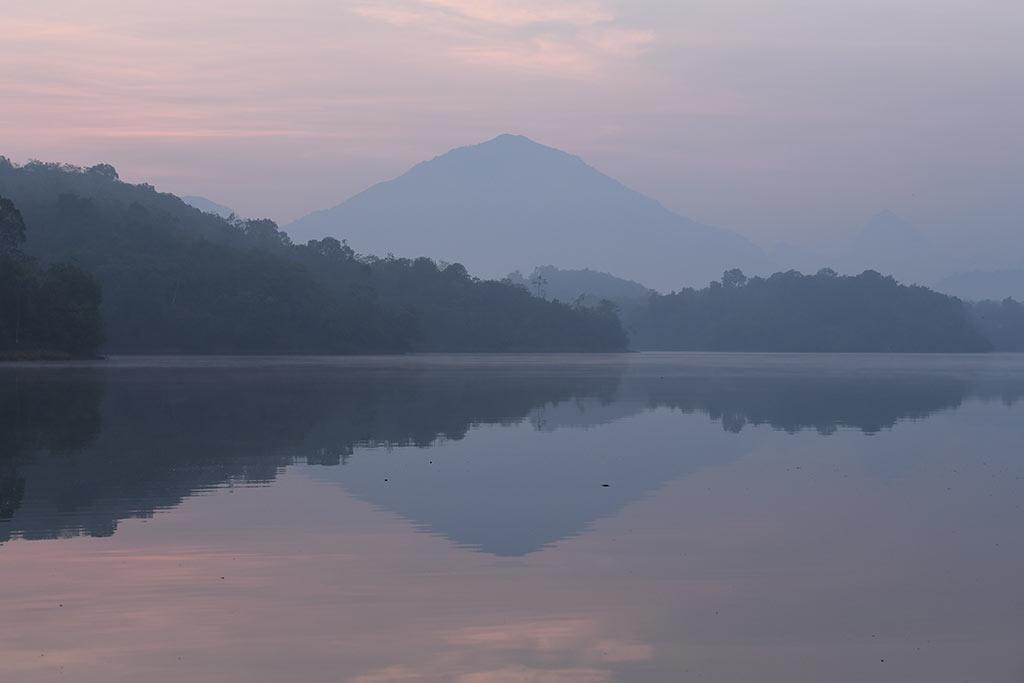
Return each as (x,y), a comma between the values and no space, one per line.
(174,279)
(1002,322)
(792,312)
(177,280)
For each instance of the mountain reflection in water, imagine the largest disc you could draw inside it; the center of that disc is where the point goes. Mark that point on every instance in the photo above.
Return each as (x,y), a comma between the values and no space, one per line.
(85,446)
(493,519)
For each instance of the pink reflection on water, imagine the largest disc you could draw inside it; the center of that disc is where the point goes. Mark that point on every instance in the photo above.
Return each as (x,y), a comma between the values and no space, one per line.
(783,566)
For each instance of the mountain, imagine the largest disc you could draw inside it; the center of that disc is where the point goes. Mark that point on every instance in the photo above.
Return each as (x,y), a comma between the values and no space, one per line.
(510,203)
(890,244)
(209,206)
(553,283)
(806,259)
(887,243)
(980,285)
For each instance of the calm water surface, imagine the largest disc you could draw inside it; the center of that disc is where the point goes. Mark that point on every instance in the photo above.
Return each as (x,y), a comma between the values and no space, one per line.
(551,519)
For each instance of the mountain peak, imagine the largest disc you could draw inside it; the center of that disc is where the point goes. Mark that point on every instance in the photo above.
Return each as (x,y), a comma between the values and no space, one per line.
(514,141)
(511,139)
(887,217)
(504,151)
(510,203)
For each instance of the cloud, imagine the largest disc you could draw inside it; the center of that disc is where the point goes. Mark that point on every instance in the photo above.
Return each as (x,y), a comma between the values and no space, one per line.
(541,55)
(527,675)
(25,31)
(565,39)
(519,14)
(623,42)
(192,133)
(503,13)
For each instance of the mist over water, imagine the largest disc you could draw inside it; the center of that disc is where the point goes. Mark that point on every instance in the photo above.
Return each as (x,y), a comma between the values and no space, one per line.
(599,517)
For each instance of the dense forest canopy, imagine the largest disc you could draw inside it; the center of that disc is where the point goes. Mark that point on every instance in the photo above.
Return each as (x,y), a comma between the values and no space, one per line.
(178,280)
(175,279)
(1002,322)
(45,312)
(824,312)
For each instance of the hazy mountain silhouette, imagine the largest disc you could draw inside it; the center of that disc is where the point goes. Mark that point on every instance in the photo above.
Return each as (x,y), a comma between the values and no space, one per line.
(569,285)
(890,244)
(209,206)
(512,492)
(510,203)
(979,285)
(887,243)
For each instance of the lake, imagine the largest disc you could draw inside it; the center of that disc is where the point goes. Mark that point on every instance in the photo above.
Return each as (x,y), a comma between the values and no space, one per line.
(493,519)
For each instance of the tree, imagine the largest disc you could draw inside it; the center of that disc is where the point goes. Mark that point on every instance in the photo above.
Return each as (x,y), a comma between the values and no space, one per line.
(791,312)
(539,284)
(12,228)
(733,278)
(69,310)
(105,170)
(177,280)
(264,233)
(332,248)
(56,310)
(1002,322)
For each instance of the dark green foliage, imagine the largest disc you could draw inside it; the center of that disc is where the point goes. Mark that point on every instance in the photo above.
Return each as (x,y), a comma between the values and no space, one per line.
(68,306)
(795,312)
(43,312)
(12,227)
(178,280)
(447,310)
(1002,322)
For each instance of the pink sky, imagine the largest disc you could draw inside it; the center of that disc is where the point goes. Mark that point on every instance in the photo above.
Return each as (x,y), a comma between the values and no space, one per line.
(780,120)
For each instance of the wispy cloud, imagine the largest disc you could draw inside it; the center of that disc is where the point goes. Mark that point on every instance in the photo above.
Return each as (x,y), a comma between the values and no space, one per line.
(560,39)
(185,133)
(518,14)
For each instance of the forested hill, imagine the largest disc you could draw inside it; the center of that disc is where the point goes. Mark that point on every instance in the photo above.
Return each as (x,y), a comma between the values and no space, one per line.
(588,286)
(178,280)
(175,279)
(50,312)
(794,312)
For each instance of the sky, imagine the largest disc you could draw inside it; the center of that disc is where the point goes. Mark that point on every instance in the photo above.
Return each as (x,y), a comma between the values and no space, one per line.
(789,120)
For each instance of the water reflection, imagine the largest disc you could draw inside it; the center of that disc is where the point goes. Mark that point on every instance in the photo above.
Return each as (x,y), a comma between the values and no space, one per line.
(445,519)
(85,447)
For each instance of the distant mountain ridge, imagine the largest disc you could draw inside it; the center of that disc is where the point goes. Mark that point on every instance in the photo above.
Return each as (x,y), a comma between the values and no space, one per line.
(208,206)
(886,243)
(890,244)
(510,203)
(979,285)
(588,286)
